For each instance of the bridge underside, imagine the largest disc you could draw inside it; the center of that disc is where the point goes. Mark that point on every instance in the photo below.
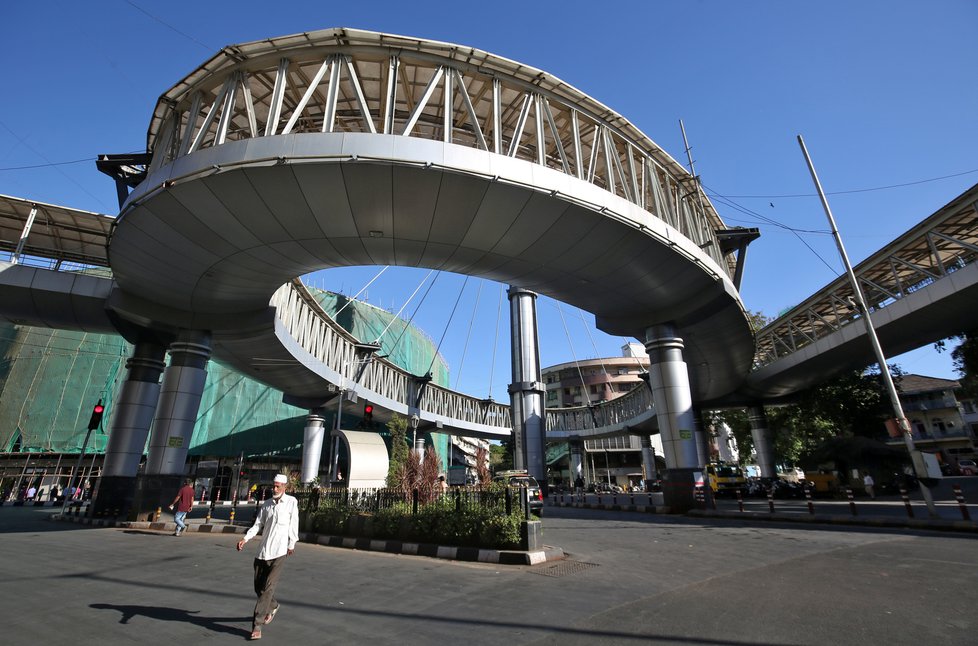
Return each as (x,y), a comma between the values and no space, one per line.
(220,230)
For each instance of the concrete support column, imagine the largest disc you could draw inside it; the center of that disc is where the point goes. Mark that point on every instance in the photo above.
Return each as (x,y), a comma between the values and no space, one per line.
(176,416)
(576,458)
(131,419)
(669,380)
(312,445)
(419,448)
(702,439)
(650,472)
(762,441)
(527,391)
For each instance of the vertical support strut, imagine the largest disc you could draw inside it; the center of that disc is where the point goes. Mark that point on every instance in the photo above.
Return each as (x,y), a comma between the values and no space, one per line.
(526,392)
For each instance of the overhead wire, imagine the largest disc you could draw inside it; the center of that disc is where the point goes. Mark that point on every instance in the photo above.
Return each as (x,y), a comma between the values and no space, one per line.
(369,283)
(580,373)
(407,324)
(397,316)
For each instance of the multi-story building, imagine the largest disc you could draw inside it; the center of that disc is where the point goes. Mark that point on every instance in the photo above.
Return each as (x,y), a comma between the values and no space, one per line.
(939,422)
(613,460)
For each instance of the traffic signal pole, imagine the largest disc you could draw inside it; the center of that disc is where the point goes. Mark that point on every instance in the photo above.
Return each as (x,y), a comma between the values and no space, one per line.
(93,423)
(915,458)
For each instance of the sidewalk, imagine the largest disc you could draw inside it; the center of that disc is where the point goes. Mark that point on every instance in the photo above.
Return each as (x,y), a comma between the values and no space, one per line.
(449,552)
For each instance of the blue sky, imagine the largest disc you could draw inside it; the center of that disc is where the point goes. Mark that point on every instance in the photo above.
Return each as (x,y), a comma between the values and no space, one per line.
(882,91)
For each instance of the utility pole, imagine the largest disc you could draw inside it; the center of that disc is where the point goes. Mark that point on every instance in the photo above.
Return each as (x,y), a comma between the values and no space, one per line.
(915,458)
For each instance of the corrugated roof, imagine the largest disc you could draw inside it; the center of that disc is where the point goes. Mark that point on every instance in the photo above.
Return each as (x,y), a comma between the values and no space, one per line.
(58,232)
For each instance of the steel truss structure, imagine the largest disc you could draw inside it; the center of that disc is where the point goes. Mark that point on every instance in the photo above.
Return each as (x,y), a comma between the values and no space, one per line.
(350,81)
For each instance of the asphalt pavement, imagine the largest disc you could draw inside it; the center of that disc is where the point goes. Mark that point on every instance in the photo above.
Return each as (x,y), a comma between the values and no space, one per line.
(628,579)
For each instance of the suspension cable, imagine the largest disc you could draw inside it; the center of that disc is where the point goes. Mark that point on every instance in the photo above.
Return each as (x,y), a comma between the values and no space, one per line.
(336,315)
(587,396)
(492,366)
(468,334)
(445,331)
(407,323)
(379,336)
(594,346)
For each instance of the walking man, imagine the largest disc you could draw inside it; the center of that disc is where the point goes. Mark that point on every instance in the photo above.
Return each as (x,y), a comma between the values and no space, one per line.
(278,520)
(184,502)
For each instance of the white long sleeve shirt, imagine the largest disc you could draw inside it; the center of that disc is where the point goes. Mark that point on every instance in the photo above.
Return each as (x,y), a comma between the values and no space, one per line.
(278,520)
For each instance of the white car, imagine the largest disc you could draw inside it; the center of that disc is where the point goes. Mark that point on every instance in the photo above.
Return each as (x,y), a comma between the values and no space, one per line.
(968,467)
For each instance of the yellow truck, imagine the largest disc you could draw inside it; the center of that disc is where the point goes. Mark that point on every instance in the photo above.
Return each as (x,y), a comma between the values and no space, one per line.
(724,478)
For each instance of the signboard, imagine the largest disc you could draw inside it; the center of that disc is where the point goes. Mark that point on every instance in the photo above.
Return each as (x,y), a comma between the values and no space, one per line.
(174,442)
(207,468)
(685,434)
(456,475)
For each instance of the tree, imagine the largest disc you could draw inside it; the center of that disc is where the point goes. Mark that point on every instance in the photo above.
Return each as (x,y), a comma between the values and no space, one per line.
(965,358)
(854,403)
(399,448)
(500,457)
(482,467)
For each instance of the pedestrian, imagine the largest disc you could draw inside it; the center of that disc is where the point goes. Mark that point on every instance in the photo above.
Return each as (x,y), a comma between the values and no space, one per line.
(31,492)
(184,502)
(442,485)
(54,492)
(579,486)
(278,520)
(868,484)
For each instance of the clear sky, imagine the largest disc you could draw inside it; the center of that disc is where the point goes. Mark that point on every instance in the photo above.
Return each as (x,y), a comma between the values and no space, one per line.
(883,92)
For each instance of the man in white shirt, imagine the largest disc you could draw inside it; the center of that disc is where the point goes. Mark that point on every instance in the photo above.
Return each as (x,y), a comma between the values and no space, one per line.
(278,520)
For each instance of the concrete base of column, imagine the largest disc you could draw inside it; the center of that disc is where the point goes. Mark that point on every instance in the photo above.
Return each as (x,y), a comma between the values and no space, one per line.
(154,492)
(678,489)
(114,497)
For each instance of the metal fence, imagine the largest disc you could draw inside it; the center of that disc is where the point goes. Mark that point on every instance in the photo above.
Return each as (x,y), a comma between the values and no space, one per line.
(504,500)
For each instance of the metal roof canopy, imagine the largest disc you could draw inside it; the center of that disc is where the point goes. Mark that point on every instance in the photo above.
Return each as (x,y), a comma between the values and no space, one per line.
(56,232)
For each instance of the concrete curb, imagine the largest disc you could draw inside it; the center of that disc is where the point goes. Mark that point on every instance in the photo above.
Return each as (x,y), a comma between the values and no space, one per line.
(449,552)
(642,509)
(826,519)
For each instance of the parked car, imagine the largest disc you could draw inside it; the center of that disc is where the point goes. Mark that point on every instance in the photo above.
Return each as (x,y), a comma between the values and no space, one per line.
(524,479)
(968,467)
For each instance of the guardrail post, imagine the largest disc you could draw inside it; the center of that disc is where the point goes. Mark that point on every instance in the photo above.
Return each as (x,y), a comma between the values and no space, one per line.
(770,499)
(852,501)
(808,499)
(906,502)
(740,500)
(961,504)
(414,502)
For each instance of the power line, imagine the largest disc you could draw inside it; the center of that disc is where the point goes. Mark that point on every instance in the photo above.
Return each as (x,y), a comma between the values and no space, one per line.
(169,26)
(65,163)
(858,190)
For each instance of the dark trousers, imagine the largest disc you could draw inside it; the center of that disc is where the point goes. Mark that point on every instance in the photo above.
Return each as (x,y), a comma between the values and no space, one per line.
(266,578)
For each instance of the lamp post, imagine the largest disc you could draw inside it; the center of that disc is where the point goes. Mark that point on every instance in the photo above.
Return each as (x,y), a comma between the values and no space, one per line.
(414,421)
(915,458)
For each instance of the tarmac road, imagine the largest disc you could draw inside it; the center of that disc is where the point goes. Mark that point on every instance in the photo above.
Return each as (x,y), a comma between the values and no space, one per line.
(629,579)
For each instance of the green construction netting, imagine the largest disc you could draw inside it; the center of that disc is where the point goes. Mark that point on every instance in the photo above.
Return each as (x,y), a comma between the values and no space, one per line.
(51,379)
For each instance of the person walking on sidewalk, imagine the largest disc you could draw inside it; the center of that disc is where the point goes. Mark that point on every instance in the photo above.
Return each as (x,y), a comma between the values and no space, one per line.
(868,483)
(278,520)
(184,502)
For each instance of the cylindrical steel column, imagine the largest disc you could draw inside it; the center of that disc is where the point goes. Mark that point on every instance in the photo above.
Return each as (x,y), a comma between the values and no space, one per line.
(134,411)
(312,445)
(762,441)
(576,458)
(131,419)
(183,386)
(649,470)
(701,435)
(526,392)
(669,380)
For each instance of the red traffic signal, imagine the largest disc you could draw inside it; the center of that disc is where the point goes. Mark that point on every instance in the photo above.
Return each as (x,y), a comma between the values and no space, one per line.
(96,419)
(368,414)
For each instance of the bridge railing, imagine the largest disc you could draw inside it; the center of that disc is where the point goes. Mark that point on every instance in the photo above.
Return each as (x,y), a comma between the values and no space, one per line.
(361,82)
(937,247)
(616,412)
(314,330)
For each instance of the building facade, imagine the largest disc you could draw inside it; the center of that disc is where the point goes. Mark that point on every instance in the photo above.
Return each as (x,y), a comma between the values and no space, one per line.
(939,422)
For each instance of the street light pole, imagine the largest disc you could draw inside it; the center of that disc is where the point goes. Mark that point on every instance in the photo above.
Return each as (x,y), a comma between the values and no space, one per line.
(915,458)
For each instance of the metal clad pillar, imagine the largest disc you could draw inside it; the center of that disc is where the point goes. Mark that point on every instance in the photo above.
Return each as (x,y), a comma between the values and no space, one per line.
(132,417)
(526,392)
(183,386)
(649,470)
(576,458)
(312,445)
(702,443)
(762,441)
(669,380)
(176,416)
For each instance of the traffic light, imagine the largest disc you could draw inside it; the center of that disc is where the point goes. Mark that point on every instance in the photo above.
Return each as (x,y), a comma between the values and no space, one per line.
(96,418)
(368,414)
